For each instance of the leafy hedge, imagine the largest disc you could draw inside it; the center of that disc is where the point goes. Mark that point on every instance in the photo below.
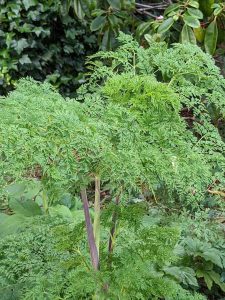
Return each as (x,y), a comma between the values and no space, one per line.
(38,40)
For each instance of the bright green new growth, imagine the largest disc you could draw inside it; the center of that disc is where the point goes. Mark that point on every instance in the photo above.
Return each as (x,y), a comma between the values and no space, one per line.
(128,136)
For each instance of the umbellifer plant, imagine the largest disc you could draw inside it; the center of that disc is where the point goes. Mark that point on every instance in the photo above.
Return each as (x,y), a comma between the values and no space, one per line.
(127,134)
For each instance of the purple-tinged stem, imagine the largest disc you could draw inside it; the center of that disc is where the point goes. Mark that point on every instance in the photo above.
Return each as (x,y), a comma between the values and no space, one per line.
(90,234)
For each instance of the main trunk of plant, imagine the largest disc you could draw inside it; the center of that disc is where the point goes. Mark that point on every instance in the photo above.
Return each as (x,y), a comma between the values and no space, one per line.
(90,233)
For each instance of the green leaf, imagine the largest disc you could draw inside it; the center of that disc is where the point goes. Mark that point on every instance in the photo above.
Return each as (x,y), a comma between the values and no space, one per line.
(185,275)
(193,3)
(211,36)
(191,21)
(11,224)
(106,40)
(217,279)
(28,3)
(217,11)
(213,255)
(195,13)
(78,216)
(78,9)
(199,34)
(97,23)
(116,4)
(165,26)
(60,211)
(187,35)
(25,207)
(172,7)
(16,189)
(114,21)
(20,45)
(25,59)
(208,280)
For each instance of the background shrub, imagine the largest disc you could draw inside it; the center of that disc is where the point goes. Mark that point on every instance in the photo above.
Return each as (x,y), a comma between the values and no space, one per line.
(39,40)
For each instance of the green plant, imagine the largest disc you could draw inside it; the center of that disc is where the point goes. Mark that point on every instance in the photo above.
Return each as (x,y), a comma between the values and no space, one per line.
(196,21)
(51,260)
(126,136)
(37,40)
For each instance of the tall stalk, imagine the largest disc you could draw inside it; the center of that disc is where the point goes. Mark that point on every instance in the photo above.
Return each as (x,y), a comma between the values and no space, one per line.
(90,234)
(97,213)
(113,228)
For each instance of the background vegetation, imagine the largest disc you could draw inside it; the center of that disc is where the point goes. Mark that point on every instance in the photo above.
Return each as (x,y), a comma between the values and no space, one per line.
(50,39)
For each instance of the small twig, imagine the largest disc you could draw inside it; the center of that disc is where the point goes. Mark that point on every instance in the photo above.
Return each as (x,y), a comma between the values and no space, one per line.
(222,194)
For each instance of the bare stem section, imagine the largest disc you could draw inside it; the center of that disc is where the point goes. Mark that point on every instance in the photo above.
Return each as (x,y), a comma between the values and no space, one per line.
(90,234)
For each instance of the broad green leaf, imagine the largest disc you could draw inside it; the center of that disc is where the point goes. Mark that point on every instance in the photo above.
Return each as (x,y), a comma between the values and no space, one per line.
(199,34)
(3,217)
(213,255)
(172,7)
(217,11)
(20,45)
(60,211)
(185,275)
(97,23)
(12,224)
(187,35)
(16,189)
(78,216)
(148,38)
(24,207)
(217,279)
(165,26)
(193,3)
(25,59)
(114,21)
(28,3)
(142,28)
(195,13)
(115,4)
(211,35)
(106,40)
(78,9)
(208,280)
(191,21)
(206,7)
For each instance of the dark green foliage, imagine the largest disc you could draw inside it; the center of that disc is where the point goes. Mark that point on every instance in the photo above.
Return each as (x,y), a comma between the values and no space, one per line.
(51,262)
(37,40)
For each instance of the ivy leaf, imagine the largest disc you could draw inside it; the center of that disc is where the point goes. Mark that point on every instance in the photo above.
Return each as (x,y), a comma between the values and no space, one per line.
(187,35)
(20,45)
(211,36)
(97,23)
(25,59)
(191,21)
(165,26)
(28,3)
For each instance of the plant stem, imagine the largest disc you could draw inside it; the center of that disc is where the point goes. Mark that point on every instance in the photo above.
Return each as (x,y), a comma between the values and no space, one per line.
(113,228)
(45,201)
(90,234)
(97,213)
